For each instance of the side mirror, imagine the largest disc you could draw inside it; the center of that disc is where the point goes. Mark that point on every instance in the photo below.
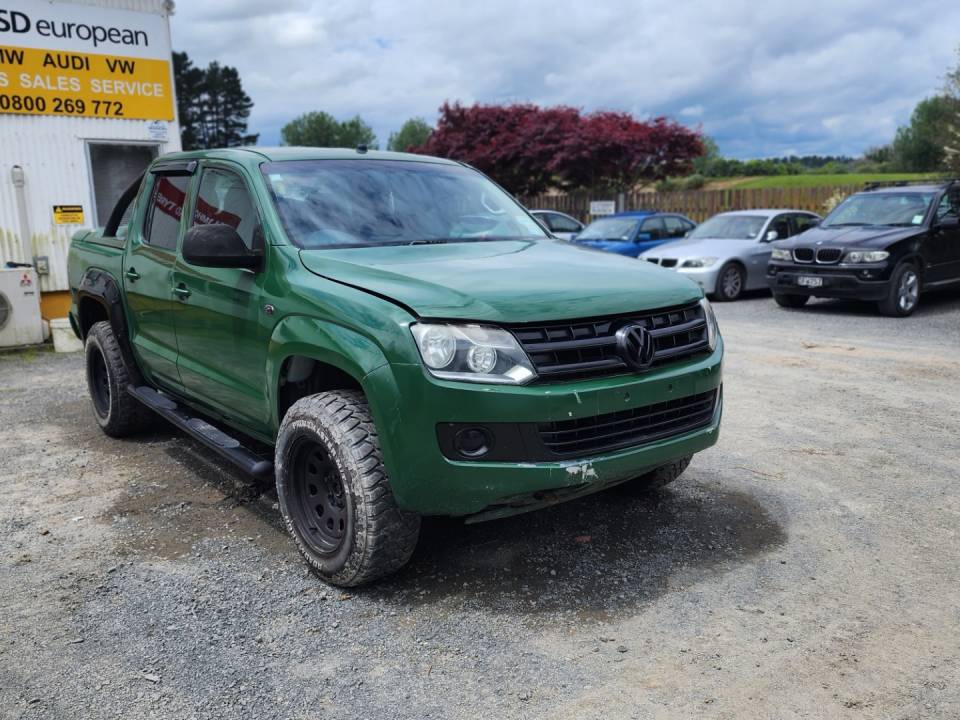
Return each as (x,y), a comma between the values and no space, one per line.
(949,222)
(814,222)
(218,246)
(771,236)
(644,237)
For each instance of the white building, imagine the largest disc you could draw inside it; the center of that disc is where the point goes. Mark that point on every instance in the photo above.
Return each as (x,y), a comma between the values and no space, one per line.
(86,101)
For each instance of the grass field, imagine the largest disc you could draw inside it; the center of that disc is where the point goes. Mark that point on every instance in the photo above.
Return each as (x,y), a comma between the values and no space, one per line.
(777,181)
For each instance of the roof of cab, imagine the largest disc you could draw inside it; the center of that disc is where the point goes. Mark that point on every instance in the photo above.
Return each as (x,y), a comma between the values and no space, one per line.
(278,154)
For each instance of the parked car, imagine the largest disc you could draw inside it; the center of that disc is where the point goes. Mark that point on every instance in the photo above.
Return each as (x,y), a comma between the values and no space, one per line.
(728,254)
(560,224)
(886,244)
(396,335)
(632,232)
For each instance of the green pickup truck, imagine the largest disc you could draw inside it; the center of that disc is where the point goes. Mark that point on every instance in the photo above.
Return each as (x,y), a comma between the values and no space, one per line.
(391,336)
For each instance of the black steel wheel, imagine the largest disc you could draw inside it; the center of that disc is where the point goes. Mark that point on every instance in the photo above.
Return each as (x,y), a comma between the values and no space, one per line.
(661,477)
(116,412)
(320,501)
(335,494)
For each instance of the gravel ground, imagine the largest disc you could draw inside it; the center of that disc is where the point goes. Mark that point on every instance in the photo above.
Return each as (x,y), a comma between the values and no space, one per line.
(806,567)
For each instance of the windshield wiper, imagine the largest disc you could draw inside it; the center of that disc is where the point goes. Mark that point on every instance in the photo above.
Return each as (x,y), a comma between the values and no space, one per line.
(430,241)
(846,225)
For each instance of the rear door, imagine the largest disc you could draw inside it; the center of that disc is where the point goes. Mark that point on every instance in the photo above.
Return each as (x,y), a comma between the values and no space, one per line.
(148,271)
(223,328)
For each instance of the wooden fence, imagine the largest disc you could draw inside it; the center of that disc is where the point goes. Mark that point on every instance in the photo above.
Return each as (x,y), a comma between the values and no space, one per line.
(698,205)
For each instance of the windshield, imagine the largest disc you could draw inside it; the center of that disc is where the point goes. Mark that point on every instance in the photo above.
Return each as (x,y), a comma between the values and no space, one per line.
(730,227)
(609,229)
(907,208)
(363,203)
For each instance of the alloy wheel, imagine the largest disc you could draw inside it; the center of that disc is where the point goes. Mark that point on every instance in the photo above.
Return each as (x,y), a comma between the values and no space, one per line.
(908,291)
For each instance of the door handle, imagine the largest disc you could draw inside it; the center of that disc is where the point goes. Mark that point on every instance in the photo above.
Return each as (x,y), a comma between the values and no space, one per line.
(181,291)
(132,275)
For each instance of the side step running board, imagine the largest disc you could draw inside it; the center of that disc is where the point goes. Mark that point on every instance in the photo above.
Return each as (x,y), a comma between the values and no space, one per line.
(202,431)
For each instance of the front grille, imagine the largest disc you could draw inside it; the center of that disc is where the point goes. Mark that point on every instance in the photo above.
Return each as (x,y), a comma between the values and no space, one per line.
(588,348)
(628,428)
(803,255)
(828,255)
(669,262)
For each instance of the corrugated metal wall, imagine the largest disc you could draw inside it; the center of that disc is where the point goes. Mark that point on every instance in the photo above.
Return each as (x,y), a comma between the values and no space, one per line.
(53,154)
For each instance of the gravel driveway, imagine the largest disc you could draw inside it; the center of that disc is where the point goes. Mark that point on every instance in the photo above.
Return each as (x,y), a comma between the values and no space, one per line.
(806,567)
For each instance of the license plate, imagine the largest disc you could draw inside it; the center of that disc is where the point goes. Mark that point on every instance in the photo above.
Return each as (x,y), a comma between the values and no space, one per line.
(809,281)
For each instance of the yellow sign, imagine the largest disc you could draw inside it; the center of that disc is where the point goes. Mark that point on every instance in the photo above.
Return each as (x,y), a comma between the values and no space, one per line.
(47,82)
(68,214)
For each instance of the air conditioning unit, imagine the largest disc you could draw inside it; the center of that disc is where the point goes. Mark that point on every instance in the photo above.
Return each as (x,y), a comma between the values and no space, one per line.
(20,322)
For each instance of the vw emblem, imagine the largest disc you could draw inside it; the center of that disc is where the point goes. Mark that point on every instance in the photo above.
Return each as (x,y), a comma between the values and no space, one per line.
(635,346)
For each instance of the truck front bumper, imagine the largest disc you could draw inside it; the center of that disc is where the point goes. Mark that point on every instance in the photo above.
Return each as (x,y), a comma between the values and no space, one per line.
(426,479)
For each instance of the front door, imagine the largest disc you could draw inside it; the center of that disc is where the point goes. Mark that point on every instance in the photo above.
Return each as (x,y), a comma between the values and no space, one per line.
(943,244)
(222,327)
(148,278)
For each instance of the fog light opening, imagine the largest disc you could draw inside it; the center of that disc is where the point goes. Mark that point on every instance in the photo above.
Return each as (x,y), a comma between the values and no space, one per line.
(473,442)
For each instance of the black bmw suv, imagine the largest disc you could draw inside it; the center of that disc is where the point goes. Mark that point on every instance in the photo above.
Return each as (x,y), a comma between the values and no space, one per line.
(886,244)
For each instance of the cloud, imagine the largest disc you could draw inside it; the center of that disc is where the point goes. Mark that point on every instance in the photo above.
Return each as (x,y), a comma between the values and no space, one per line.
(817,77)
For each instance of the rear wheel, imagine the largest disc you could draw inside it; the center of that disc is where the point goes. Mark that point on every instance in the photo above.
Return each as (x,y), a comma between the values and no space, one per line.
(904,294)
(108,376)
(334,492)
(790,301)
(730,282)
(661,477)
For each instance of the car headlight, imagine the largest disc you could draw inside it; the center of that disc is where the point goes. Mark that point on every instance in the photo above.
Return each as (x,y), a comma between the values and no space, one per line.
(476,353)
(781,254)
(698,262)
(866,256)
(713,330)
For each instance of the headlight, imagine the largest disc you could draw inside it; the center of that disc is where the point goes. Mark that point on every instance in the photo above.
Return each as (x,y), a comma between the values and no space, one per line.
(713,331)
(781,254)
(476,353)
(866,256)
(698,262)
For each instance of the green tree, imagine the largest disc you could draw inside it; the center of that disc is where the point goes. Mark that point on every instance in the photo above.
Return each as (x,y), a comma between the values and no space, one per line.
(413,133)
(951,139)
(188,83)
(919,146)
(211,105)
(321,129)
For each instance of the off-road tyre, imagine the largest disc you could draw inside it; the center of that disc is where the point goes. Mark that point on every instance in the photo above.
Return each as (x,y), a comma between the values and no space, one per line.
(731,282)
(356,534)
(904,295)
(661,477)
(117,412)
(790,301)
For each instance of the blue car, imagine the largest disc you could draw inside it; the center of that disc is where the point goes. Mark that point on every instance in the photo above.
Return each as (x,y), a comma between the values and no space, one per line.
(631,233)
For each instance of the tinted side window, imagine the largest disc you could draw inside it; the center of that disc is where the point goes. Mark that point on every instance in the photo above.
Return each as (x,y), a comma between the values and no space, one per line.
(675,226)
(654,226)
(223,199)
(803,222)
(949,205)
(161,227)
(561,223)
(781,223)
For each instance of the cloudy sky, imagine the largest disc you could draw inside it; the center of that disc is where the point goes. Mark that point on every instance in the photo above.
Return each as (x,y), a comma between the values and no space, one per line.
(764,78)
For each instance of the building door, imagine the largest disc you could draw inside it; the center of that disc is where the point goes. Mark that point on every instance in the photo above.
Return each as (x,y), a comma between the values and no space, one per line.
(113,167)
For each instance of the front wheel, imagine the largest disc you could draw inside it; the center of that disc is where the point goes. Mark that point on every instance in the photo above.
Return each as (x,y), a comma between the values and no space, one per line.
(790,301)
(334,492)
(730,282)
(904,294)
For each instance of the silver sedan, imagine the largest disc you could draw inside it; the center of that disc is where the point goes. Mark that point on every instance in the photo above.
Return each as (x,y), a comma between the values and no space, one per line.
(728,254)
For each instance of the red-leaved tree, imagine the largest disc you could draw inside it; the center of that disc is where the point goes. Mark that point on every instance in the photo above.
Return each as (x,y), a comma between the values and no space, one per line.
(513,144)
(613,150)
(529,149)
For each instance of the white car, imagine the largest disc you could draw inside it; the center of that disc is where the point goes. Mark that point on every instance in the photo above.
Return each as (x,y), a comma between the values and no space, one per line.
(728,254)
(558,223)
